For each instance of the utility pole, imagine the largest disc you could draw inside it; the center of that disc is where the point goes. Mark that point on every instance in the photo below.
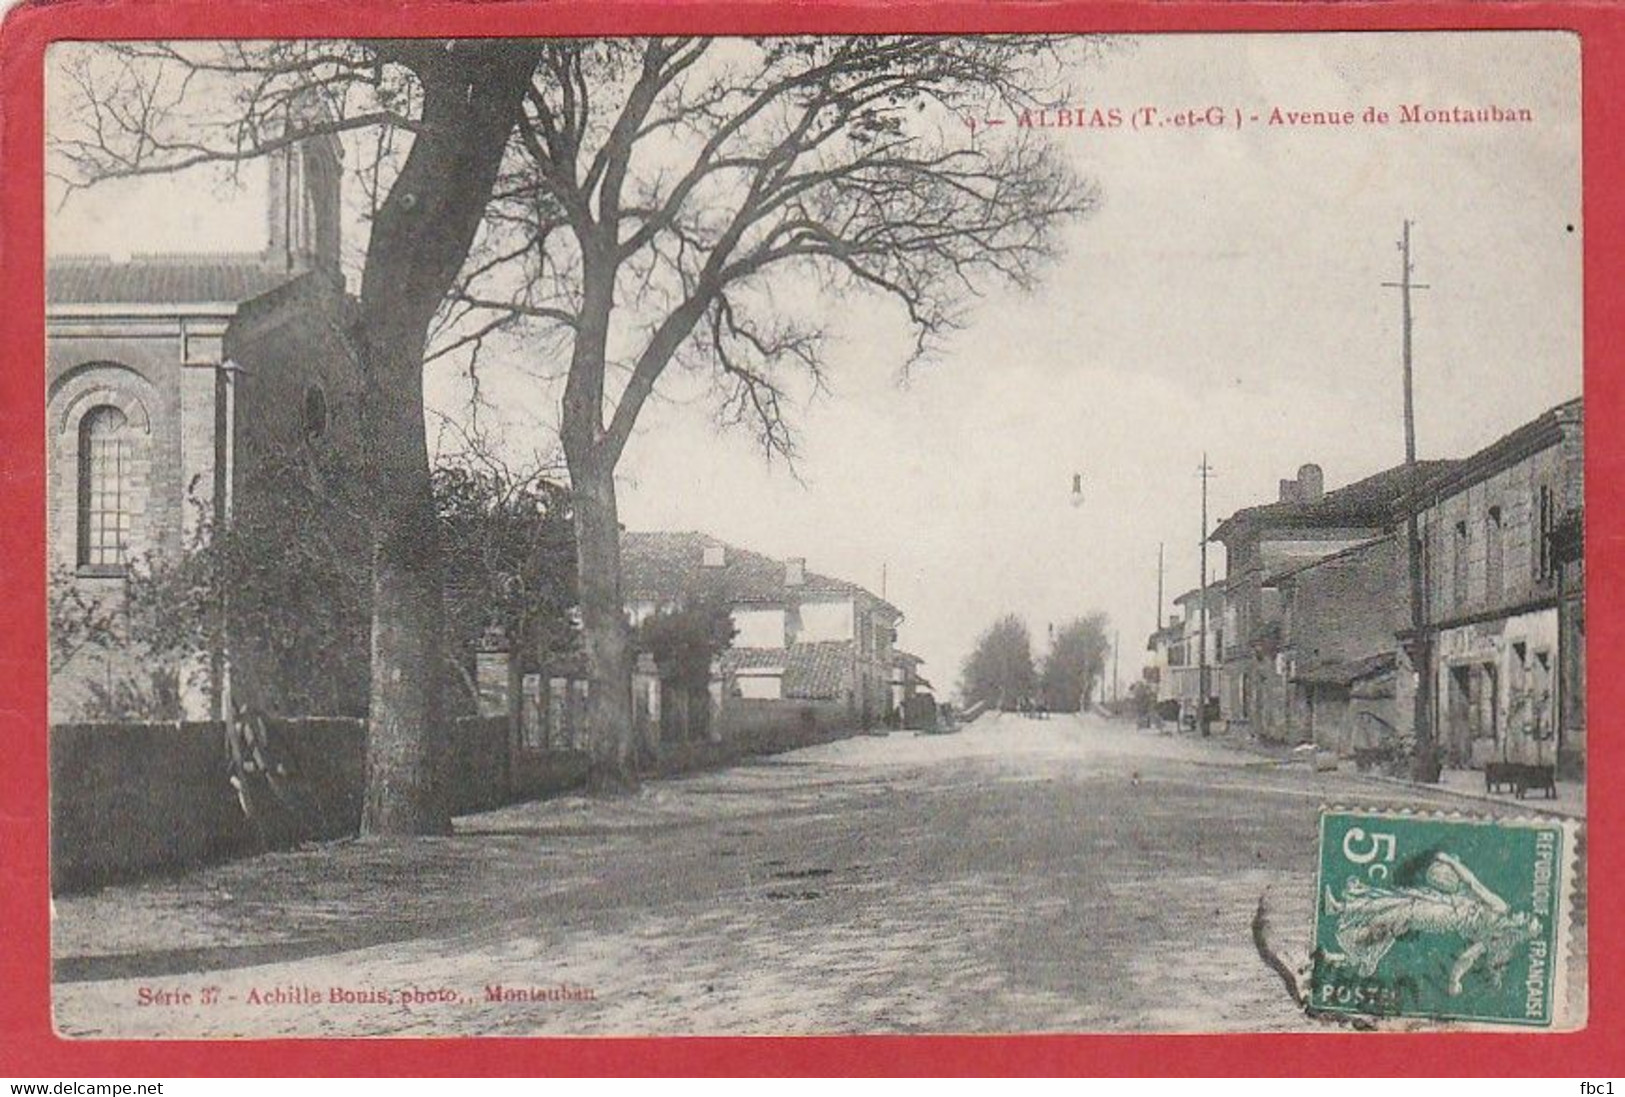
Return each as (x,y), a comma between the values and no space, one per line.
(1117,642)
(1206,471)
(1426,761)
(1156,625)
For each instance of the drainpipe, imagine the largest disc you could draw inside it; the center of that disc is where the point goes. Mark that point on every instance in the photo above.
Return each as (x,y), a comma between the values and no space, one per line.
(226,461)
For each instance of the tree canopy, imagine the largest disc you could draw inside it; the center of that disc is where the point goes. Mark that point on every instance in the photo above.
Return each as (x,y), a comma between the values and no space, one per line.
(1075,662)
(624,204)
(999,672)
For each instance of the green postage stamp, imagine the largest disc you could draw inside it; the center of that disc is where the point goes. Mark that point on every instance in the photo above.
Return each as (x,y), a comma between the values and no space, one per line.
(1441,917)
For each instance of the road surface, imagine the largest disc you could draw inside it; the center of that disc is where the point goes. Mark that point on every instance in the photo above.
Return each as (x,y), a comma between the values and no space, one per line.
(1072,875)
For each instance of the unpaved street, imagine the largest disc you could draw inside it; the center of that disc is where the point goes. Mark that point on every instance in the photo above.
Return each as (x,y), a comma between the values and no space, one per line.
(1021,875)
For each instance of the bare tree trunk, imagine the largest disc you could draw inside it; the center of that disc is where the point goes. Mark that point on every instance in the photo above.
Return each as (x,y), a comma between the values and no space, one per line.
(610,726)
(420,240)
(406,740)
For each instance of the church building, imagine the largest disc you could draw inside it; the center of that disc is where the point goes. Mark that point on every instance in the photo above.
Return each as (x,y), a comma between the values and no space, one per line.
(168,377)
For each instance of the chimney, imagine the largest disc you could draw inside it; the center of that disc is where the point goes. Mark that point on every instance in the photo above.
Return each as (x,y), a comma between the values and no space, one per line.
(795,571)
(1289,491)
(716,556)
(1311,484)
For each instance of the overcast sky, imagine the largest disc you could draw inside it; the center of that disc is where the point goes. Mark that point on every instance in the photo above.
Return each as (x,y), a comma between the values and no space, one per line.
(1227,296)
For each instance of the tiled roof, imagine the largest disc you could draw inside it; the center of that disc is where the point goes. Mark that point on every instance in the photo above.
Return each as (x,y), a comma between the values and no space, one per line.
(1298,567)
(1542,431)
(1344,672)
(664,566)
(1371,501)
(1168,632)
(737,659)
(162,279)
(818,671)
(1215,593)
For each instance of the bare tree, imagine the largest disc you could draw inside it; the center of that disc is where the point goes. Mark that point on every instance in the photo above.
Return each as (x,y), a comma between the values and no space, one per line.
(675,198)
(154,108)
(658,195)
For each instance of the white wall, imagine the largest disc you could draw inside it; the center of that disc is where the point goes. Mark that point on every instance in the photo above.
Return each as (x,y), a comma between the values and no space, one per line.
(759,628)
(761,687)
(641,611)
(826,621)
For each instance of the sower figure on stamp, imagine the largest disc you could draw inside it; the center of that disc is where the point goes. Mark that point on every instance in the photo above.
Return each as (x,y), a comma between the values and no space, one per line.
(1452,900)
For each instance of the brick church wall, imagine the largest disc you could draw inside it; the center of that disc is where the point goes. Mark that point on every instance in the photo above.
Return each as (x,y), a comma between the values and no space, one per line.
(137,372)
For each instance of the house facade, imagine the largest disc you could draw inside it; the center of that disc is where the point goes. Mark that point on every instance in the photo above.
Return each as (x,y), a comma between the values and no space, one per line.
(1340,618)
(912,703)
(1166,655)
(1305,524)
(1502,550)
(802,638)
(1180,679)
(171,381)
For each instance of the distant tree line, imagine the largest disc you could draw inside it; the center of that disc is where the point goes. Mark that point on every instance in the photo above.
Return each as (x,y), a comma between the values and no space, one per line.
(1002,671)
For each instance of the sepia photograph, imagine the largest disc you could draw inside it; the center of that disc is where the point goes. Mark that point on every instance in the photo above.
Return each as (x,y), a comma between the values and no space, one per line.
(804,535)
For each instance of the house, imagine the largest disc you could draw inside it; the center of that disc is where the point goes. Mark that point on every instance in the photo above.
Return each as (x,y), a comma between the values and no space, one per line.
(1340,616)
(169,380)
(1167,648)
(1180,683)
(912,705)
(1306,523)
(803,639)
(1502,553)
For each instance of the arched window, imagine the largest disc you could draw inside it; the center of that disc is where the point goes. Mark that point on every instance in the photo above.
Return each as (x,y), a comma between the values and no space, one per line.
(105,451)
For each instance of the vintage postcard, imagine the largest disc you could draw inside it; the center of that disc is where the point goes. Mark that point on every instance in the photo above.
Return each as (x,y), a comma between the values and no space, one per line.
(654,535)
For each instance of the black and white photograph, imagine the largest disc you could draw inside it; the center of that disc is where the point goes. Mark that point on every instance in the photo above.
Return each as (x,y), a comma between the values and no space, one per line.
(804,535)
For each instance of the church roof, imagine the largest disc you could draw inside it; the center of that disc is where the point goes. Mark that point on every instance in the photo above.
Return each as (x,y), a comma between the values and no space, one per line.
(162,279)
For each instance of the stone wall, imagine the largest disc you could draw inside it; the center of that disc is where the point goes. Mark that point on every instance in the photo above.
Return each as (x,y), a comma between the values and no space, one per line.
(131,799)
(127,799)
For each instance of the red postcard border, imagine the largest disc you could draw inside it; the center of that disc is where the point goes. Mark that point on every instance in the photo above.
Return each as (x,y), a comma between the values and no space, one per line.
(28,1046)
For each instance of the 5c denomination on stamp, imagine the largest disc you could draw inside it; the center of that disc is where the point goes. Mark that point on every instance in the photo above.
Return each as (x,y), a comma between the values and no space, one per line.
(1441,917)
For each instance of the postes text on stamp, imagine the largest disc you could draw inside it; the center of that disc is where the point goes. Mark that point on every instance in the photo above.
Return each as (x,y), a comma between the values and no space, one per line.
(1440,917)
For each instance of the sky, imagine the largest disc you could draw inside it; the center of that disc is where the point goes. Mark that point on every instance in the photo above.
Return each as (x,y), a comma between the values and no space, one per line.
(1226,298)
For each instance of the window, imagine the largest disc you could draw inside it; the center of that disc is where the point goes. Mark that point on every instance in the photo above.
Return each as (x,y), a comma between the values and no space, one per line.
(1546,510)
(1493,555)
(1459,565)
(1424,545)
(105,452)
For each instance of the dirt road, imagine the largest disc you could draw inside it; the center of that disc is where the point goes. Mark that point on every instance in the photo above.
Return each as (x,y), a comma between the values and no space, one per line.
(1020,876)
